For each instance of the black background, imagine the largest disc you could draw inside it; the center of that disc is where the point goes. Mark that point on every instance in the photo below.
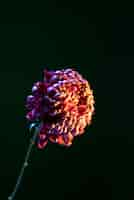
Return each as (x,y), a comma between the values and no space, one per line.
(99,165)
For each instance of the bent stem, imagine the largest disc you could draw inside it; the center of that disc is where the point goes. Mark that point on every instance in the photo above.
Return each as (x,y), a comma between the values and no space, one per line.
(25,164)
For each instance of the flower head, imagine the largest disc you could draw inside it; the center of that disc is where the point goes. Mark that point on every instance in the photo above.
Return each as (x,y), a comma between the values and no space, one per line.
(64,103)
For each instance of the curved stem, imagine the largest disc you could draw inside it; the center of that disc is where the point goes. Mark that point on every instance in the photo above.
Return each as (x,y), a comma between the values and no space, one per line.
(25,164)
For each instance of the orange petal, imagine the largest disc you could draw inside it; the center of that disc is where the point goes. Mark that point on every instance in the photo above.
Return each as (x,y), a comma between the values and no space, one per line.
(60,140)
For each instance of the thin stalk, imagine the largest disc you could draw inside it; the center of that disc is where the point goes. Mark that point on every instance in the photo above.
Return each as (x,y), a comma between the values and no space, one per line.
(25,164)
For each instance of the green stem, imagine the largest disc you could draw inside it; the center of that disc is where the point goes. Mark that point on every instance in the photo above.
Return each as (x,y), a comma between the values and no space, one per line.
(25,164)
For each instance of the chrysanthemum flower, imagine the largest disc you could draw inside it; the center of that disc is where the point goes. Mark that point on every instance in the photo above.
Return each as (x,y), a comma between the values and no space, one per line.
(64,103)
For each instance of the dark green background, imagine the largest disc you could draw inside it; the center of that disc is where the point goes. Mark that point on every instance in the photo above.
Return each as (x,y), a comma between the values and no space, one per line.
(99,165)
